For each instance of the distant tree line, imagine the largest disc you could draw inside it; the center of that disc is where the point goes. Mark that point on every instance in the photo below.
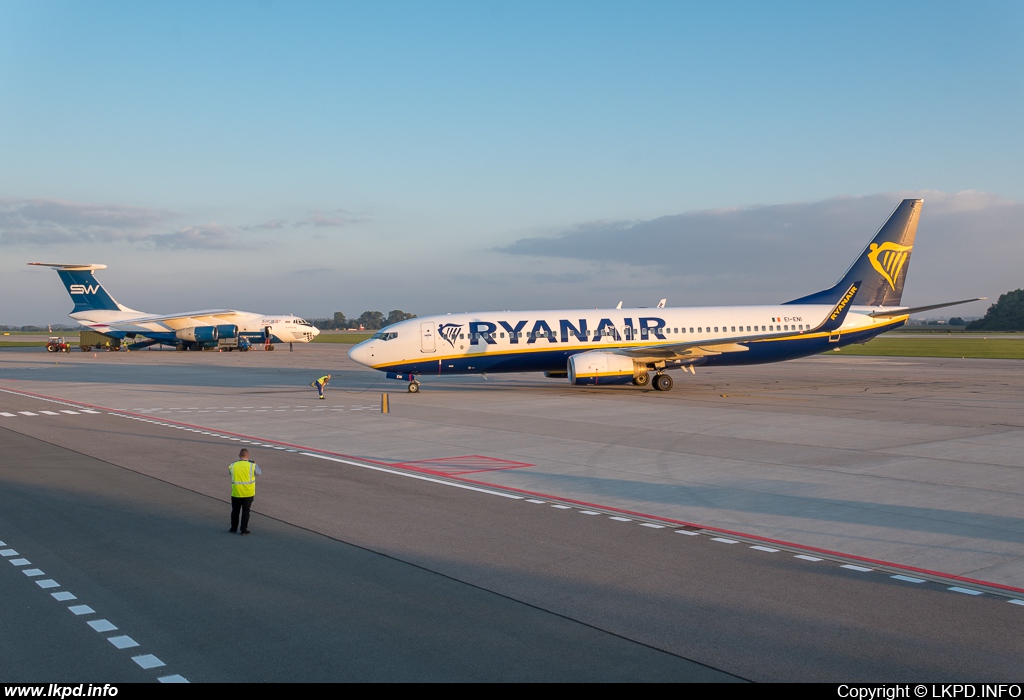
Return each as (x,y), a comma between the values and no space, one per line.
(41,329)
(370,320)
(1007,314)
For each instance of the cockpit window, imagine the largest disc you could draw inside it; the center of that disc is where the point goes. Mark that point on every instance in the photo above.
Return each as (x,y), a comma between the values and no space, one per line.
(381,335)
(301,322)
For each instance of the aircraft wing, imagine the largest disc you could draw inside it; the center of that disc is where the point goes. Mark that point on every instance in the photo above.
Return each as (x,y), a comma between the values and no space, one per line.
(696,348)
(206,317)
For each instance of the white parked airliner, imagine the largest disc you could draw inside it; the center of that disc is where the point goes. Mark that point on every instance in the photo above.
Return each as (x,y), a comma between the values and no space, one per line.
(193,330)
(613,346)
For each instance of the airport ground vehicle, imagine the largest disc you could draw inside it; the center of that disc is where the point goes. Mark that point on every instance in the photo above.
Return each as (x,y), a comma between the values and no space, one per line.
(57,344)
(90,340)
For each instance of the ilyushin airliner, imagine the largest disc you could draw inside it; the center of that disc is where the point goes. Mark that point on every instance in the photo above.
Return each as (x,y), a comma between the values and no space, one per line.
(192,330)
(639,346)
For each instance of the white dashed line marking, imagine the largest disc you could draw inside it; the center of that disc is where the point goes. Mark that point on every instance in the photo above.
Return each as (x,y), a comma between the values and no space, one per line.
(49,413)
(560,507)
(63,595)
(32,572)
(172,679)
(7,415)
(48,583)
(854,567)
(908,579)
(653,526)
(1015,601)
(534,500)
(102,625)
(764,549)
(123,642)
(968,591)
(81,610)
(89,410)
(148,661)
(723,540)
(691,533)
(805,557)
(70,413)
(28,413)
(19,562)
(589,512)
(621,519)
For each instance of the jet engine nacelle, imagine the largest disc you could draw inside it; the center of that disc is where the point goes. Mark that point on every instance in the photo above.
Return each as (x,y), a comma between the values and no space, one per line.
(597,367)
(198,334)
(227,331)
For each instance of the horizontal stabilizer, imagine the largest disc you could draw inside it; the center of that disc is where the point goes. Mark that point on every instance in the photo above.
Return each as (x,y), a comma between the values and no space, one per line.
(72,266)
(904,310)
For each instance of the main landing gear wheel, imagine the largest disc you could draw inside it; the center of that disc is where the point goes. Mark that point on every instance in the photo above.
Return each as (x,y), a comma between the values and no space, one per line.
(414,387)
(642,379)
(663,382)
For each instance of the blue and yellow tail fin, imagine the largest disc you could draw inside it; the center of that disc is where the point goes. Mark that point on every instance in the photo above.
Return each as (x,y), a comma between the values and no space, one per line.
(882,267)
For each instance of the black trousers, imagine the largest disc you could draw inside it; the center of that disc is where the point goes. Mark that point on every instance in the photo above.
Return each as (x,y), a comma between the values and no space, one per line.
(243,504)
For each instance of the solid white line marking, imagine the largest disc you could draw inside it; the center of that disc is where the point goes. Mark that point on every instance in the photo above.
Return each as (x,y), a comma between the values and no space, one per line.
(534,500)
(64,595)
(589,512)
(806,557)
(764,549)
(148,661)
(854,567)
(652,525)
(102,625)
(1015,601)
(620,519)
(81,610)
(968,591)
(723,540)
(908,579)
(123,642)
(560,507)
(48,583)
(32,572)
(28,413)
(413,476)
(176,678)
(19,562)
(691,533)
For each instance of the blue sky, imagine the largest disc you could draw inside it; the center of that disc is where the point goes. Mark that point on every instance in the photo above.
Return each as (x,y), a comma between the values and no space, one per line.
(313,157)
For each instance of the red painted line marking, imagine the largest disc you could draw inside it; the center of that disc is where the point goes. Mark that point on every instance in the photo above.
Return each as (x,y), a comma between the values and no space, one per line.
(537,494)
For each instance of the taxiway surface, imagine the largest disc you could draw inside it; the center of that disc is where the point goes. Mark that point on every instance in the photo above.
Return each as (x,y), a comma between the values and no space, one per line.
(900,461)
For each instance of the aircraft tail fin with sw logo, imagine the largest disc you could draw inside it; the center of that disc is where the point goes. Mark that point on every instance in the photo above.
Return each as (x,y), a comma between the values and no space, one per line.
(882,266)
(85,290)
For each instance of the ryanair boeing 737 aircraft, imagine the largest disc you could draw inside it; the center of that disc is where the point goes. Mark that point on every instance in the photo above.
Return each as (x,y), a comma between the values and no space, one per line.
(193,330)
(615,346)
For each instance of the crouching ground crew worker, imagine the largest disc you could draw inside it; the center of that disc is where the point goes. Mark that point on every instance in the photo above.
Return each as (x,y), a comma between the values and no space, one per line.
(320,383)
(243,489)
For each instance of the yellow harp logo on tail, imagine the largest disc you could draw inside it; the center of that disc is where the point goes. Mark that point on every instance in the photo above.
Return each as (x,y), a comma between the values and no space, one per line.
(889,259)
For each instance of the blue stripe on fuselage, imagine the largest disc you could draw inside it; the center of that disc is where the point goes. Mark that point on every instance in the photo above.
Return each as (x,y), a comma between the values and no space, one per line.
(758,352)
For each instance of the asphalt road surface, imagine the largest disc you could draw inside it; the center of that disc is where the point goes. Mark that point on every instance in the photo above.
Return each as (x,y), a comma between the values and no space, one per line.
(354,572)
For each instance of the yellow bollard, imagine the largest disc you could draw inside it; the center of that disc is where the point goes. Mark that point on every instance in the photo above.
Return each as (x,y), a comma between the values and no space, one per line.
(384,408)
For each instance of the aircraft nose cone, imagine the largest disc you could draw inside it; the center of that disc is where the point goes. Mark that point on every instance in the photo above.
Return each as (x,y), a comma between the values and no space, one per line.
(313,332)
(360,353)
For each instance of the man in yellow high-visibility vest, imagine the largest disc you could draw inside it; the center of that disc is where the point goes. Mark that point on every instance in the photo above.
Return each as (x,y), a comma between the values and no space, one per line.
(243,489)
(320,383)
